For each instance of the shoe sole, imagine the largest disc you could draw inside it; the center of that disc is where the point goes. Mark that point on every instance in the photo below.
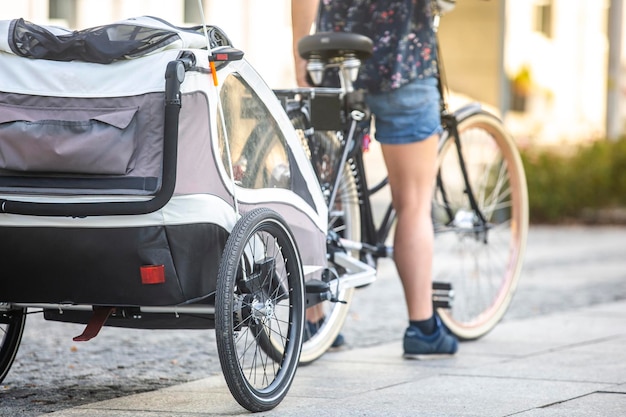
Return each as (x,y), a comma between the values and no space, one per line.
(427,356)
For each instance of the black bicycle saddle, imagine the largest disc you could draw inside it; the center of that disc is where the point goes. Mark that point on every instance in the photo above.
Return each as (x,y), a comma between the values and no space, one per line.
(327,45)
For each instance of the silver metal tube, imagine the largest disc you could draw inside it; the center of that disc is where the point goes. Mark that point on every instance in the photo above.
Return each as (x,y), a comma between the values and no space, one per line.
(359,273)
(356,116)
(150,309)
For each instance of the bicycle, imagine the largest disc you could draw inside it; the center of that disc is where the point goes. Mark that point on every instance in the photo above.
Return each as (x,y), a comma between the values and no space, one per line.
(479,210)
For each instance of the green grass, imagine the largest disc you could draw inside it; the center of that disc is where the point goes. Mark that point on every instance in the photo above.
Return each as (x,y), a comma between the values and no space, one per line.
(565,184)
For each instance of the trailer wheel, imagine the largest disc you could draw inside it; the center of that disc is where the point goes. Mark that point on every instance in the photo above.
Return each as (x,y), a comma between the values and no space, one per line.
(260,302)
(11,327)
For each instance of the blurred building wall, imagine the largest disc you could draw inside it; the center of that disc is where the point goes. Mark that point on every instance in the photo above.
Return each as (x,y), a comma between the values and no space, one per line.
(541,63)
(470,39)
(261,28)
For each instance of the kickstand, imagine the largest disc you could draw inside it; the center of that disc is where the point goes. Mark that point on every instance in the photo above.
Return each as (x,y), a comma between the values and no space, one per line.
(100,315)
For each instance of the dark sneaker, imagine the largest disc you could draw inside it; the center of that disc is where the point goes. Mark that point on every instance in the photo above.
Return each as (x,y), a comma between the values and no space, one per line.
(311,328)
(339,341)
(417,344)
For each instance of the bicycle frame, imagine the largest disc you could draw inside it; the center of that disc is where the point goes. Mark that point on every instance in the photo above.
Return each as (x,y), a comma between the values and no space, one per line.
(353,131)
(351,121)
(478,204)
(373,236)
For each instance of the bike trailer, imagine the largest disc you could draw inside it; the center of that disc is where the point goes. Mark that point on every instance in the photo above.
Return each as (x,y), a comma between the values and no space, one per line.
(124,167)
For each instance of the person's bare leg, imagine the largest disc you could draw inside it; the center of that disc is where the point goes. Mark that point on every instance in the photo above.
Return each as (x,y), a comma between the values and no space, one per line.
(314,314)
(412,170)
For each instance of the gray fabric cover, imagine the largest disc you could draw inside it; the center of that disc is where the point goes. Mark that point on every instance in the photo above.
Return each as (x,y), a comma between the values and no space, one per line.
(66,136)
(88,141)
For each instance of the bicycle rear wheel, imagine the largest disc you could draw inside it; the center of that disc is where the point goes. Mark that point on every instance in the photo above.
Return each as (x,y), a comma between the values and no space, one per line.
(481,261)
(325,320)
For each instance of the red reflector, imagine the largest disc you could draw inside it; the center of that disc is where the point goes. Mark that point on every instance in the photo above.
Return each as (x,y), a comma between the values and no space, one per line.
(152,274)
(221,57)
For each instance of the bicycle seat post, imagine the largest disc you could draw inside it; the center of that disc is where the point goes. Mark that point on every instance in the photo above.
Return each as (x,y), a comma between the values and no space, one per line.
(344,51)
(348,72)
(315,67)
(348,66)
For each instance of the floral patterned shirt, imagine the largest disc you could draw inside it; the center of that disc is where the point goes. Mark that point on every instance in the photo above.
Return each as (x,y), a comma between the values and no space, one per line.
(404,41)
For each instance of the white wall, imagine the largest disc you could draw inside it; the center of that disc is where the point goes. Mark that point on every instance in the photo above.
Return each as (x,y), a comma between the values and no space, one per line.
(261,28)
(35,10)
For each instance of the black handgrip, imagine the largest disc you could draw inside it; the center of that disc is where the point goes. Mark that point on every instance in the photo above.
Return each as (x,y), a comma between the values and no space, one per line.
(174,77)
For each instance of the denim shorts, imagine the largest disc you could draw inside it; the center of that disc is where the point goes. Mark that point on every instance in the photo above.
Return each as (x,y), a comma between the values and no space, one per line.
(408,114)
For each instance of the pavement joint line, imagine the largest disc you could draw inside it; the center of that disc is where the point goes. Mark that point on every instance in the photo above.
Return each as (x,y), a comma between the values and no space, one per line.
(586,343)
(527,378)
(561,348)
(567,400)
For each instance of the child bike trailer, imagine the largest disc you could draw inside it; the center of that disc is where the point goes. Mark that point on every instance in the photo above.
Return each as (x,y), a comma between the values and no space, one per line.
(150,179)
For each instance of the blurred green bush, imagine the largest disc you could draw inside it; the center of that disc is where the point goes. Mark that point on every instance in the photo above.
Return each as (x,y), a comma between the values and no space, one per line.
(575,184)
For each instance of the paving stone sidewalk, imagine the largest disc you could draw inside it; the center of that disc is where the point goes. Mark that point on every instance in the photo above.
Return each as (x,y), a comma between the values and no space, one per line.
(564,364)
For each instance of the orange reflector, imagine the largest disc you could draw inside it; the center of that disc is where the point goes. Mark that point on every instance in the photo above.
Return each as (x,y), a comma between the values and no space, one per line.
(152,274)
(213,73)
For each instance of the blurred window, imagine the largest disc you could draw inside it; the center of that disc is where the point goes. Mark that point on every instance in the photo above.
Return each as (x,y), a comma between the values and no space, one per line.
(543,17)
(62,12)
(192,12)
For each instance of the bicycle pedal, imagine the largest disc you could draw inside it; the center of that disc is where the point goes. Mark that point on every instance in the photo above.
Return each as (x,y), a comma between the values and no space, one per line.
(445,304)
(442,286)
(443,295)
